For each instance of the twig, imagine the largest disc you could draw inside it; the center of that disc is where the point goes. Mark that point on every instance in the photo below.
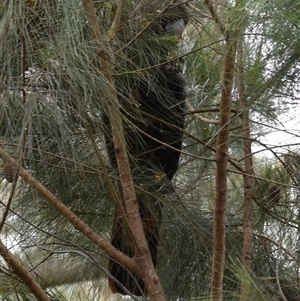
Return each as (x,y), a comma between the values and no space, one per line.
(23,134)
(215,16)
(176,58)
(139,34)
(231,160)
(192,109)
(198,10)
(295,259)
(116,22)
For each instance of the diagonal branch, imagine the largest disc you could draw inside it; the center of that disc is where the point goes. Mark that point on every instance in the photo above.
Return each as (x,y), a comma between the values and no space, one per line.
(68,214)
(215,16)
(116,22)
(23,273)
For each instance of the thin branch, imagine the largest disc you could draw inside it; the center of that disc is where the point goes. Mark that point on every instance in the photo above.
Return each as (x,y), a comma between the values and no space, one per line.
(192,109)
(139,34)
(279,245)
(23,134)
(193,7)
(280,73)
(280,291)
(107,176)
(248,179)
(68,214)
(176,58)
(231,160)
(215,16)
(8,204)
(116,22)
(82,252)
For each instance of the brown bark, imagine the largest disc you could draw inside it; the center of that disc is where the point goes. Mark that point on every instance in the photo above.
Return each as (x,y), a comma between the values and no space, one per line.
(142,262)
(248,176)
(221,172)
(16,268)
(68,214)
(214,14)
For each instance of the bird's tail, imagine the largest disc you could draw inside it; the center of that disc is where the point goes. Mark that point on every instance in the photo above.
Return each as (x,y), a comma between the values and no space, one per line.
(120,278)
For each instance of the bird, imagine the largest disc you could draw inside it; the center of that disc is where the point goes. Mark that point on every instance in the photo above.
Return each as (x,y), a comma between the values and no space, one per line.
(174,19)
(158,151)
(154,145)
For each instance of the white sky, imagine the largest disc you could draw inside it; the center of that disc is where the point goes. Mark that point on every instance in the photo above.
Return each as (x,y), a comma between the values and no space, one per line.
(287,134)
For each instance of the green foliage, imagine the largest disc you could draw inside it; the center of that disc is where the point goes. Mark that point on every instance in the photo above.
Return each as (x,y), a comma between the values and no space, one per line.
(47,129)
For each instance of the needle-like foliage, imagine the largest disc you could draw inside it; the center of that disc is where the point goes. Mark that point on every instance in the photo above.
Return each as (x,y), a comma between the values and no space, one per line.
(53,122)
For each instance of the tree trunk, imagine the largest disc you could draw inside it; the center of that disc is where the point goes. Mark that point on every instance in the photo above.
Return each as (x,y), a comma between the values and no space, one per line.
(248,176)
(221,172)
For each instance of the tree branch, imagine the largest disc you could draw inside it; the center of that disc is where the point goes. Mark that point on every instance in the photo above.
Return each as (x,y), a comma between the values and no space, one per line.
(23,273)
(192,109)
(221,173)
(116,22)
(68,214)
(248,176)
(215,16)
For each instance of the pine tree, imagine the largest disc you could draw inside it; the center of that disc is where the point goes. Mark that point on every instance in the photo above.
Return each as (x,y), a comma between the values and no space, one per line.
(59,71)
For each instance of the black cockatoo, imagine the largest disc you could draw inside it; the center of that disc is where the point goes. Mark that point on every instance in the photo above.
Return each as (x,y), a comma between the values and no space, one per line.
(155,149)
